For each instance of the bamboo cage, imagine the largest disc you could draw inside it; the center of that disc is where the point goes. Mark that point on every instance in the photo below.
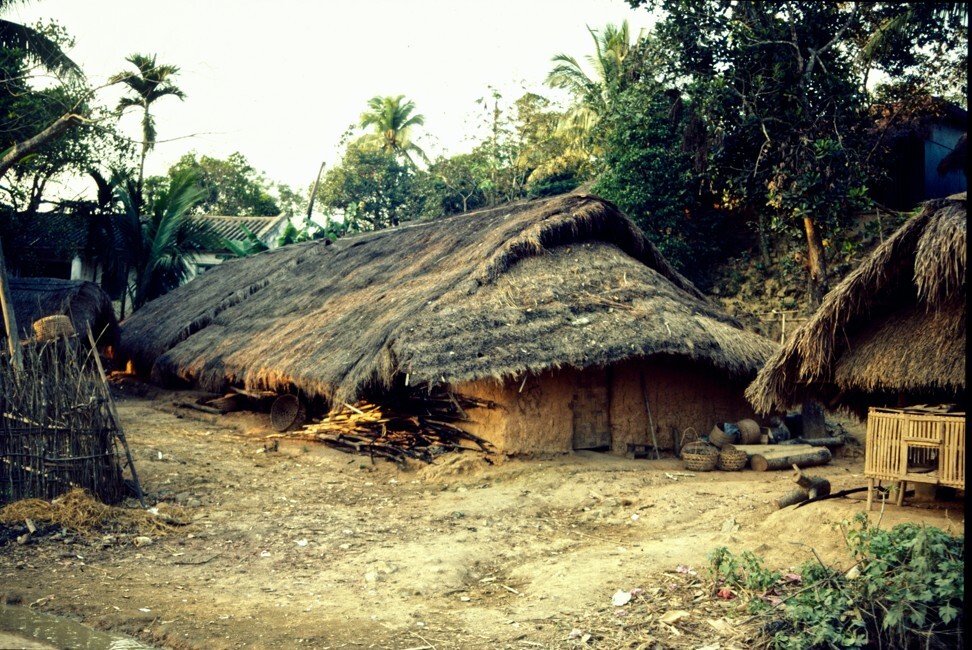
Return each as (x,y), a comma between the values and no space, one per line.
(56,428)
(916,445)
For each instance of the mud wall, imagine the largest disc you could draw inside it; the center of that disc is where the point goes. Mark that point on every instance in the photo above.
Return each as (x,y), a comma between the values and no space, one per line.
(539,414)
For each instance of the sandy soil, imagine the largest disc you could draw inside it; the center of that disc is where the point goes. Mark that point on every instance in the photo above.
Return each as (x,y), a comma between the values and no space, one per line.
(304,546)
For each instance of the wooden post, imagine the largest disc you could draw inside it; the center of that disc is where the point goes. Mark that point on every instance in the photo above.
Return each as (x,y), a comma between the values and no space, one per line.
(9,317)
(651,424)
(317,181)
(812,417)
(114,416)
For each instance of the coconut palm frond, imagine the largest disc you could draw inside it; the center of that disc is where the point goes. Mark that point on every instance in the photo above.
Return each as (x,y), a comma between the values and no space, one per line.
(39,48)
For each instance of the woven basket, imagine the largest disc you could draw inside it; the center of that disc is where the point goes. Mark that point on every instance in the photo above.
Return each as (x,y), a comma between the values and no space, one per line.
(52,327)
(718,437)
(700,457)
(287,413)
(749,432)
(731,459)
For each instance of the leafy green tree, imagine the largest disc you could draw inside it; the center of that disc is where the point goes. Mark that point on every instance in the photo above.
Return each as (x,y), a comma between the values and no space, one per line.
(291,202)
(780,89)
(648,174)
(149,83)
(393,120)
(593,93)
(370,188)
(161,245)
(233,187)
(36,45)
(549,162)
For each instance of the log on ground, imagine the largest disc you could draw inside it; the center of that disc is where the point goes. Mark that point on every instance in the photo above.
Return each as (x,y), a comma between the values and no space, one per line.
(817,456)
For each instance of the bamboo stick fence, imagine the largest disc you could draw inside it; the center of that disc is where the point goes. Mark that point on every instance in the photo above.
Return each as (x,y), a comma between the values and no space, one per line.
(57,431)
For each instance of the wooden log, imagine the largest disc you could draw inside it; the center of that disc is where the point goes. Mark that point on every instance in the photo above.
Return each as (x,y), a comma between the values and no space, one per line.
(792,497)
(770,450)
(831,441)
(814,486)
(817,456)
(197,407)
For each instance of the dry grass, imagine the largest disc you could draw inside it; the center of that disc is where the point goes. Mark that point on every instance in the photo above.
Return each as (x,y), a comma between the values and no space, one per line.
(81,513)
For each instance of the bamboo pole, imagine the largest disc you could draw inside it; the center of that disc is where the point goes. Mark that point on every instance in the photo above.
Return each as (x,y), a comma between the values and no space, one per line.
(114,417)
(9,317)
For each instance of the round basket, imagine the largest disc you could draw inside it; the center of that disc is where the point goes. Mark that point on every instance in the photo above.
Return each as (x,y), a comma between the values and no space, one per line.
(732,459)
(287,412)
(52,327)
(700,457)
(718,437)
(749,432)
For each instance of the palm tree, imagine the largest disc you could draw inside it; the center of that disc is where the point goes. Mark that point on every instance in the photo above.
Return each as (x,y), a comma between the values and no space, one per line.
(38,47)
(151,82)
(160,247)
(612,45)
(393,122)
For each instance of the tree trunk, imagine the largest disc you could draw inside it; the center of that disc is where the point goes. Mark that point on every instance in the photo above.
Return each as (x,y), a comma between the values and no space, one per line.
(816,261)
(819,456)
(794,496)
(21,149)
(812,416)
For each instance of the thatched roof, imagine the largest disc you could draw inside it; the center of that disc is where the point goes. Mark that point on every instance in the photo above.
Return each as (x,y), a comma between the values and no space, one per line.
(895,325)
(568,281)
(84,302)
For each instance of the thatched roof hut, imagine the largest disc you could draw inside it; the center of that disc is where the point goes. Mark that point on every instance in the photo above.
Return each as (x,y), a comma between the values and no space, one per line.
(84,302)
(891,333)
(499,294)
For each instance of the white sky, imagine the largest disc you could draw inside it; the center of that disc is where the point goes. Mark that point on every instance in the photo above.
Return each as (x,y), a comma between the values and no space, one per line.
(281,80)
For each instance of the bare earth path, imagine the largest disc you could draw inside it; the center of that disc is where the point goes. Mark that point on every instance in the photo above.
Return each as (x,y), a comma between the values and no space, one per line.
(309,547)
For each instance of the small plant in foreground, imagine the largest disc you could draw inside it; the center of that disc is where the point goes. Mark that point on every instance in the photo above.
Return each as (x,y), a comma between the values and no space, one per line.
(905,589)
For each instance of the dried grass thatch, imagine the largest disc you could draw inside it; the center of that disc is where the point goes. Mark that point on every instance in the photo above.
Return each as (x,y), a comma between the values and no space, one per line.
(84,302)
(568,281)
(895,325)
(80,512)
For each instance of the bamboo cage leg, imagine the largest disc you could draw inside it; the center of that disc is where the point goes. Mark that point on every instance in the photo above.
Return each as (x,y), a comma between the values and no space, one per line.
(902,486)
(870,493)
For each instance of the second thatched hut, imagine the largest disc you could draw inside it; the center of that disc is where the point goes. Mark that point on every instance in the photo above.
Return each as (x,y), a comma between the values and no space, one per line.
(892,333)
(558,310)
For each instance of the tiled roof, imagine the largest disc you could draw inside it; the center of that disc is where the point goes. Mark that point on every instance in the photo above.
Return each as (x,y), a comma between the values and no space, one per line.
(230,227)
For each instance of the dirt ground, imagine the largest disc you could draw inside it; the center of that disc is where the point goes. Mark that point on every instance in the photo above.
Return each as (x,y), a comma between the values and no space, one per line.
(305,546)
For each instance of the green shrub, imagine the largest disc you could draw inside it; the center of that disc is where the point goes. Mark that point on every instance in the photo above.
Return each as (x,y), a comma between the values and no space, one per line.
(905,590)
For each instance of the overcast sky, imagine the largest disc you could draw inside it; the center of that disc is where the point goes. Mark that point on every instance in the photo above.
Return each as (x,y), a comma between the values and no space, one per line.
(281,80)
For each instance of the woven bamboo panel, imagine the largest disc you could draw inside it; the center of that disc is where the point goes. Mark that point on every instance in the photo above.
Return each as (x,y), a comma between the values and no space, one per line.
(912,445)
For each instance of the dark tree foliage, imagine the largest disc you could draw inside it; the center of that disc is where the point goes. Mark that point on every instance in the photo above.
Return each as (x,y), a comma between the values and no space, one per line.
(372,188)
(233,187)
(780,90)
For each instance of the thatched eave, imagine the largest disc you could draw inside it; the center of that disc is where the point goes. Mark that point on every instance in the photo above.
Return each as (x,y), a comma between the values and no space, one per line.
(528,287)
(894,324)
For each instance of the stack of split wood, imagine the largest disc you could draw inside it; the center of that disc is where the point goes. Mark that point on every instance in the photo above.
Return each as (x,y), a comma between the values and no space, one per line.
(419,425)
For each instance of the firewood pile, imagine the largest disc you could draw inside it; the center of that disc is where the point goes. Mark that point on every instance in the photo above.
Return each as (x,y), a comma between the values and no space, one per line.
(420,425)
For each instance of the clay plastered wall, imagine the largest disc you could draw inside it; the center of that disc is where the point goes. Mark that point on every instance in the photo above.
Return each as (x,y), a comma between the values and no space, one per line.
(538,416)
(687,396)
(536,419)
